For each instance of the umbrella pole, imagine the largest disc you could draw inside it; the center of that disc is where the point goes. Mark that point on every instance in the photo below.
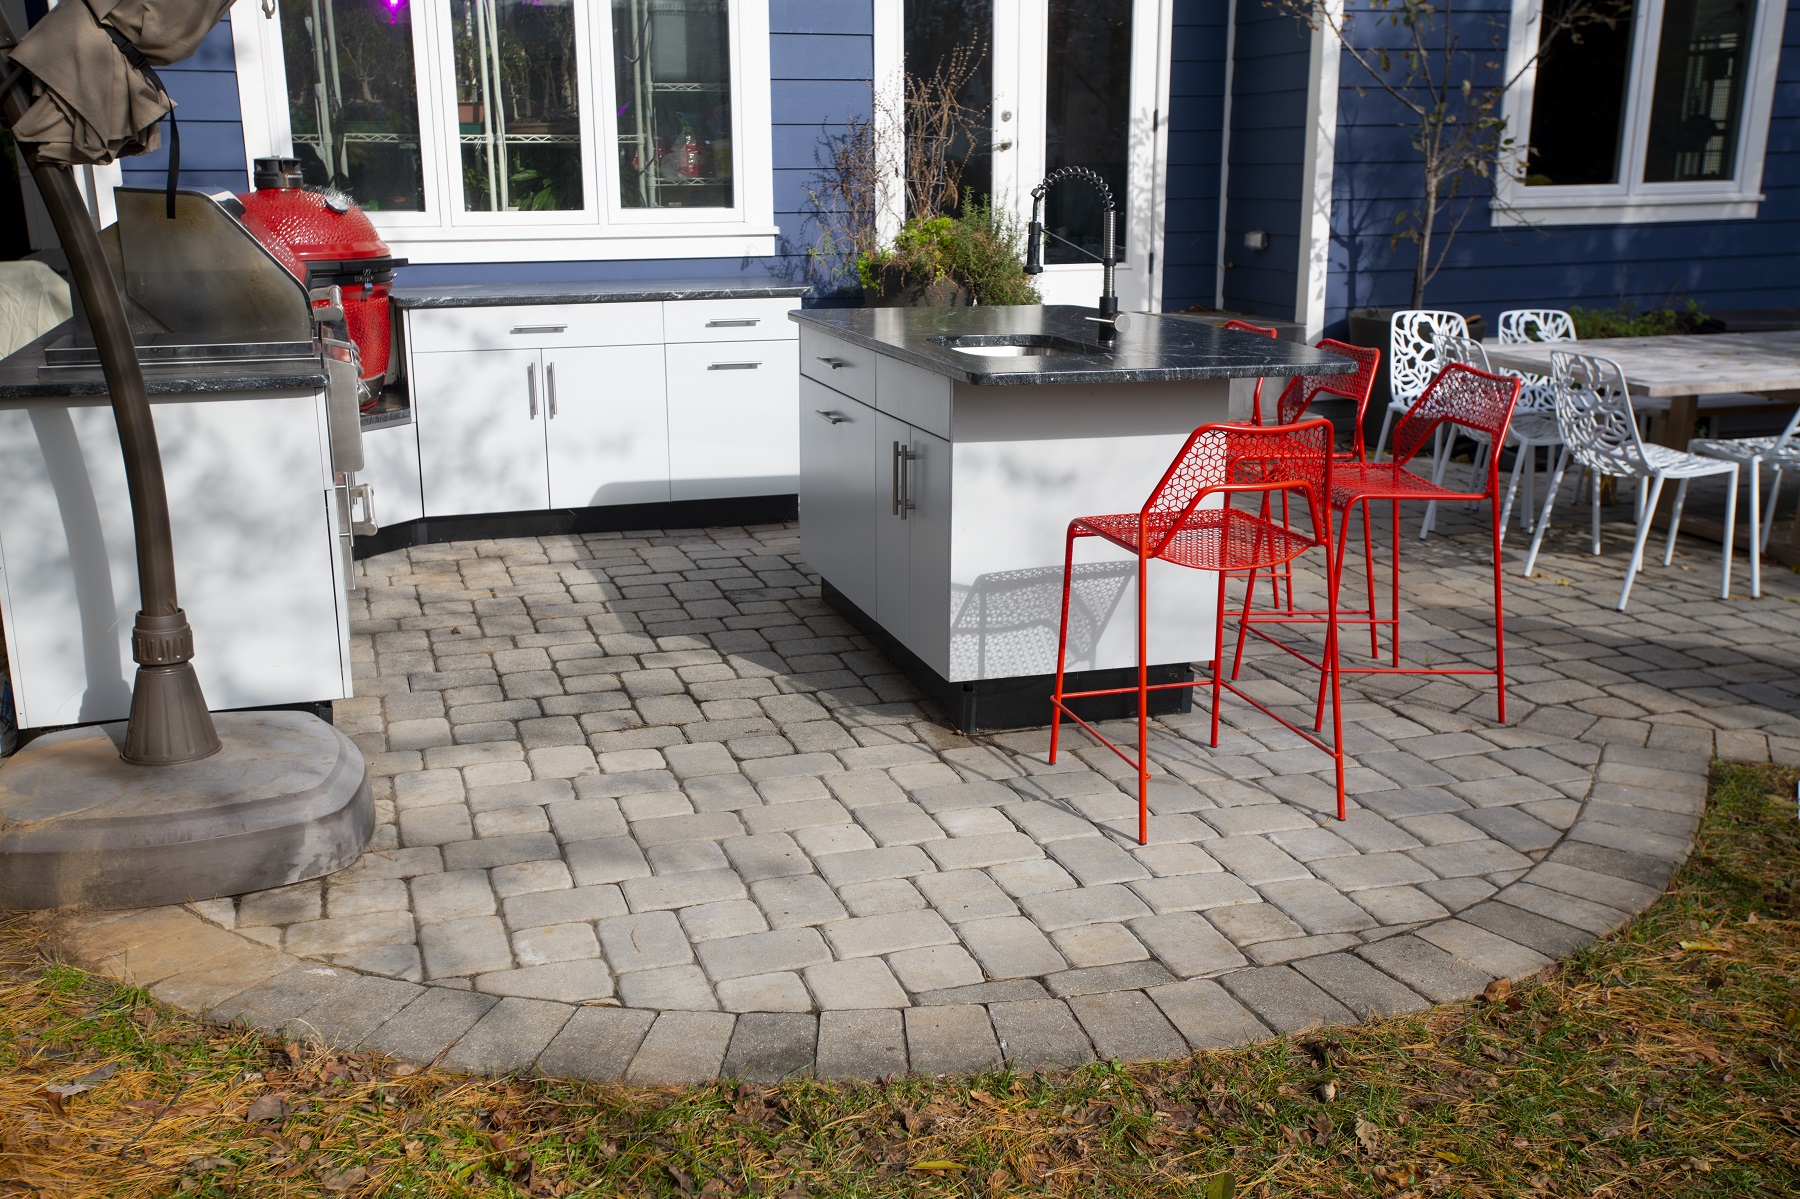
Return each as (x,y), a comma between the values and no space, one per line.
(169,718)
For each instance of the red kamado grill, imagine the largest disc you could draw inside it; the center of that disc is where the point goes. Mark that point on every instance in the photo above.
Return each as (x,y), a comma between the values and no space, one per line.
(326,240)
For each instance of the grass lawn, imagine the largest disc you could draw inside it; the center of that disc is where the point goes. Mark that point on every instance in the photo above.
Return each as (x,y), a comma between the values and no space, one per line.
(1661,1062)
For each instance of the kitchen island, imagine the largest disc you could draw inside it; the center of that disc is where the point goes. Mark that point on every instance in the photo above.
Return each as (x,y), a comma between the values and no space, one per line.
(943,452)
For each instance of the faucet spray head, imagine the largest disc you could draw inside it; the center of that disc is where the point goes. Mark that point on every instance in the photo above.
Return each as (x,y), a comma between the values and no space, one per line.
(1034,238)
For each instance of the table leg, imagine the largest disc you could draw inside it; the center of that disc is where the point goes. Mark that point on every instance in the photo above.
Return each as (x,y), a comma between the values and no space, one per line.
(1678,428)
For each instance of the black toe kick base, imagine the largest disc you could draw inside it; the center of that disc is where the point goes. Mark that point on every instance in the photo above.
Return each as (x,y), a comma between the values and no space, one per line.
(1023,701)
(613,518)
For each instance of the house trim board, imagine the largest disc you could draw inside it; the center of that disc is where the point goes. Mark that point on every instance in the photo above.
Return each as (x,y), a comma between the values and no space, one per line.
(1318,164)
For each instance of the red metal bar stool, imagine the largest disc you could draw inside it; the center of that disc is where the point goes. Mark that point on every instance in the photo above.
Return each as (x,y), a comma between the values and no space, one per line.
(1260,331)
(1292,404)
(1219,460)
(1462,396)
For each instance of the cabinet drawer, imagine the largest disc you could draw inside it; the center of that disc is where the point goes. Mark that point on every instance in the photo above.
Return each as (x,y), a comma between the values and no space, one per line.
(737,320)
(533,327)
(733,423)
(838,364)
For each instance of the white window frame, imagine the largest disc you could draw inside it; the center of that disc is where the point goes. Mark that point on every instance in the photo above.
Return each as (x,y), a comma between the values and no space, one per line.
(603,229)
(1632,201)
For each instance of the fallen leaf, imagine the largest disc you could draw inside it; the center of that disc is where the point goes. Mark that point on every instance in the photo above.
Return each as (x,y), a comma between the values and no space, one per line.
(1705,947)
(1444,1155)
(268,1107)
(1498,990)
(1222,1185)
(67,1090)
(937,1164)
(1367,1135)
(99,1074)
(1327,1092)
(983,1098)
(343,1180)
(998,1181)
(402,1070)
(208,1165)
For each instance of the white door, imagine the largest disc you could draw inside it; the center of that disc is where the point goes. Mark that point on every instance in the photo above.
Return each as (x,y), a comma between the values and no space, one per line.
(733,426)
(837,495)
(606,426)
(481,431)
(1065,83)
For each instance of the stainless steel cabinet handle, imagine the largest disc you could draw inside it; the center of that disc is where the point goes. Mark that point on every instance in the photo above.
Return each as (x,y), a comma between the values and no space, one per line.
(540,328)
(831,418)
(902,484)
(734,324)
(531,387)
(734,366)
(834,363)
(550,387)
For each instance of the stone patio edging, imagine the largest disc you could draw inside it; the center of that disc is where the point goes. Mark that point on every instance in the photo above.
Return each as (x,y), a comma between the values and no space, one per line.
(1635,827)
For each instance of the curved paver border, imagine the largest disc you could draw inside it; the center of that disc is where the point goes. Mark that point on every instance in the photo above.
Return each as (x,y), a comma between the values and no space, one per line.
(1636,825)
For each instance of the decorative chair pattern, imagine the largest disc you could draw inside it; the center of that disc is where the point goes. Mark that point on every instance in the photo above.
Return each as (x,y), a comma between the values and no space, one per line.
(1178,525)
(1534,423)
(1779,453)
(1600,432)
(1412,359)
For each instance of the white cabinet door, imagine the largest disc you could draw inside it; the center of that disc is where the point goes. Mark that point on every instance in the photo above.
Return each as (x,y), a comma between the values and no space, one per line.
(837,494)
(481,431)
(607,426)
(892,468)
(733,419)
(928,550)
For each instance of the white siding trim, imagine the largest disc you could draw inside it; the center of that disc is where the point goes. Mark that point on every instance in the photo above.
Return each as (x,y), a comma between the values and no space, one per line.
(1319,162)
(887,87)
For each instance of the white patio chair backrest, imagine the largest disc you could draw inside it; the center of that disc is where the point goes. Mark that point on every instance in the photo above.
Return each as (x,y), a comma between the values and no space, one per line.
(1593,412)
(1452,347)
(1412,349)
(1518,325)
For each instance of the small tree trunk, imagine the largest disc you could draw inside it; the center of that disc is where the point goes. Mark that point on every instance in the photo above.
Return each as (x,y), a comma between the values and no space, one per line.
(1422,267)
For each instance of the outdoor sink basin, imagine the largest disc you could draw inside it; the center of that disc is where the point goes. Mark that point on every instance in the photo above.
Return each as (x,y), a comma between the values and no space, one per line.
(1018,345)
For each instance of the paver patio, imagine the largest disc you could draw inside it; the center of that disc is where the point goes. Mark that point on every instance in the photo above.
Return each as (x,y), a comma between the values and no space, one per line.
(648,809)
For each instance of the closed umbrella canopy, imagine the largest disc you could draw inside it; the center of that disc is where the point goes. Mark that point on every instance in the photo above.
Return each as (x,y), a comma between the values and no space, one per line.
(92,102)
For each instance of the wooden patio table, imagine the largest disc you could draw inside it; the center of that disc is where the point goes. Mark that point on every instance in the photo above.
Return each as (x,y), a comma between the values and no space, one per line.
(1678,370)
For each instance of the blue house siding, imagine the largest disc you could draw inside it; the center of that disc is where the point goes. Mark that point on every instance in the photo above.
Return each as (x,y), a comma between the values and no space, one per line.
(1268,142)
(1723,264)
(204,88)
(1191,195)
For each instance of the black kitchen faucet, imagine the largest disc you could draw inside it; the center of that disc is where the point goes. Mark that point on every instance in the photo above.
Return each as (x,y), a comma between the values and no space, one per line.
(1110,320)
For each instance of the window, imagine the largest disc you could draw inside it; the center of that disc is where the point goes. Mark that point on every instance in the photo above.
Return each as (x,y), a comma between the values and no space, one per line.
(1657,110)
(524,129)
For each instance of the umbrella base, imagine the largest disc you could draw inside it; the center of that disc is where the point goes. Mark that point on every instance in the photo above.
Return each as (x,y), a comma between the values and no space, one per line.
(286,799)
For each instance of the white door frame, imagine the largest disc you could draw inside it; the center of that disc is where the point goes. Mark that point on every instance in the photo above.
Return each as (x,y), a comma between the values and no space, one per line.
(1019,90)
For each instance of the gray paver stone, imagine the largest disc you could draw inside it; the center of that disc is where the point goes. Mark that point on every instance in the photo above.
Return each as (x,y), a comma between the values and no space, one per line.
(344,1018)
(458,948)
(1011,947)
(1284,999)
(1360,987)
(1039,1034)
(509,1037)
(764,993)
(1187,944)
(605,860)
(1316,906)
(430,1023)
(785,949)
(865,936)
(858,983)
(864,1044)
(950,1040)
(1097,980)
(1206,1015)
(597,1043)
(645,941)
(1051,910)
(934,968)
(1127,1026)
(682,1047)
(771,1046)
(1439,976)
(1596,918)
(683,890)
(797,900)
(672,988)
(565,982)
(1465,858)
(961,895)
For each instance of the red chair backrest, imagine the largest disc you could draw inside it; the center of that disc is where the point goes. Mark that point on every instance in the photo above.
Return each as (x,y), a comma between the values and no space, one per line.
(1247,327)
(1464,395)
(1302,390)
(1229,457)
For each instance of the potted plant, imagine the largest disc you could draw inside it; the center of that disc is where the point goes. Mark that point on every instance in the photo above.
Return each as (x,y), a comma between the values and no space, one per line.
(945,262)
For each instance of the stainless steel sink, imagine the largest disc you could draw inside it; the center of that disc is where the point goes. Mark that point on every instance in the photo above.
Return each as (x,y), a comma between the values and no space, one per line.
(1018,345)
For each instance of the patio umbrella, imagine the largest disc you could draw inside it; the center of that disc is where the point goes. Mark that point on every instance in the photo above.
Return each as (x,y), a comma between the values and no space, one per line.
(95,94)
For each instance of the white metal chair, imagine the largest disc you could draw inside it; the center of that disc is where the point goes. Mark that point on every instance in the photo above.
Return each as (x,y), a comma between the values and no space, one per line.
(1779,453)
(1412,359)
(1534,420)
(1454,347)
(1593,411)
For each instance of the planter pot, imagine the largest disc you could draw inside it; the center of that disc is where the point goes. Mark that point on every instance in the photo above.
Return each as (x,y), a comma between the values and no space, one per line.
(897,293)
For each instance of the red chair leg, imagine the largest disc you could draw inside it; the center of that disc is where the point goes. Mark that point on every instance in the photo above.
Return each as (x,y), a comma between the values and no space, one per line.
(1396,597)
(1369,577)
(1219,653)
(1334,577)
(1237,660)
(1143,698)
(1333,676)
(1287,568)
(1499,611)
(1062,646)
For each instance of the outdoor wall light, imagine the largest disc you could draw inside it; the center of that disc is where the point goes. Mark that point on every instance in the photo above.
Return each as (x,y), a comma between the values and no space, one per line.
(1256,239)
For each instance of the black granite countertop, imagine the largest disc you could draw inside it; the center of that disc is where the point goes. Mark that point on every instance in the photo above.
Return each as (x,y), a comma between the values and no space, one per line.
(479,295)
(20,378)
(1152,349)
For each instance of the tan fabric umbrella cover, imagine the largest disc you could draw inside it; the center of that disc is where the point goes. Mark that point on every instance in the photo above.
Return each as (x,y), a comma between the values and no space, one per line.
(90,105)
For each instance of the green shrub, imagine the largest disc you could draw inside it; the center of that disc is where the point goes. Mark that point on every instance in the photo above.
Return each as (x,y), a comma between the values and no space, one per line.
(982,251)
(1624,321)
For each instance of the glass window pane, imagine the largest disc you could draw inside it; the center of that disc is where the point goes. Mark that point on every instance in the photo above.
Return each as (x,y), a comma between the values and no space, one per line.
(352,102)
(949,40)
(672,61)
(518,105)
(1087,102)
(1578,105)
(1700,68)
